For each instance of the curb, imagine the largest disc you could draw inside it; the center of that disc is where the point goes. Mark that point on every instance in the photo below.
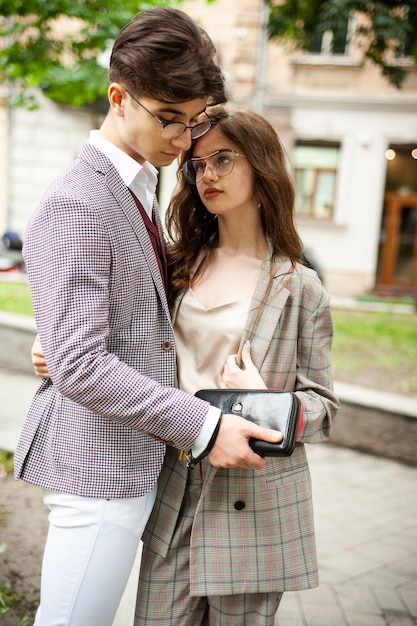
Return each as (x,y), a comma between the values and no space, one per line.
(369,420)
(17,333)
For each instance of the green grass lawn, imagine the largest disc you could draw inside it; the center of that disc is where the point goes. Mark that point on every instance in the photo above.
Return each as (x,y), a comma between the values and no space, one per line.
(368,345)
(15,298)
(369,348)
(368,333)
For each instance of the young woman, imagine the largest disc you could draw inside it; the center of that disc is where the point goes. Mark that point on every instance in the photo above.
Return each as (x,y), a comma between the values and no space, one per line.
(222,545)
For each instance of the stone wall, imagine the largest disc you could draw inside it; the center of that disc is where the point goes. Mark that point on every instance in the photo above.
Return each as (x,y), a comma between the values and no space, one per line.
(17,333)
(369,420)
(383,433)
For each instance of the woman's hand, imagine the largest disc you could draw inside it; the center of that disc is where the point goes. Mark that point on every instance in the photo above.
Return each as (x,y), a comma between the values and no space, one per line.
(38,359)
(236,378)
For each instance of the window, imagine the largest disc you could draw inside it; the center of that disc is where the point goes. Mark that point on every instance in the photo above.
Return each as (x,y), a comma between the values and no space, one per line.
(333,43)
(315,168)
(405,47)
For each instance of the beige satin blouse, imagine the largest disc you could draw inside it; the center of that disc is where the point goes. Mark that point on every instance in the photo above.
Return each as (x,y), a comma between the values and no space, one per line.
(204,338)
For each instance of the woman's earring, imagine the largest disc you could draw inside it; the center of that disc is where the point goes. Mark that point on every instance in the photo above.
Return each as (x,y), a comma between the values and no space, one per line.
(259,205)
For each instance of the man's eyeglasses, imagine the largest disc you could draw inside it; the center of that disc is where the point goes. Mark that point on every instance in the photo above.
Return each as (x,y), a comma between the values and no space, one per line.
(220,163)
(171,130)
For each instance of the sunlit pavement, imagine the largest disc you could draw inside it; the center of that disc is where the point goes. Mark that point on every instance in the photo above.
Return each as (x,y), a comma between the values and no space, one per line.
(366,523)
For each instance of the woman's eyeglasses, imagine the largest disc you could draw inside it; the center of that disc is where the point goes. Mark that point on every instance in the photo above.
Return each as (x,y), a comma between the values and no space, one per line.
(171,130)
(220,163)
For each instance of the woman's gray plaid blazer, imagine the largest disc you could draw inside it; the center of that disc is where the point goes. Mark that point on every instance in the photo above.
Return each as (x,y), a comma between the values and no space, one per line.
(267,545)
(105,328)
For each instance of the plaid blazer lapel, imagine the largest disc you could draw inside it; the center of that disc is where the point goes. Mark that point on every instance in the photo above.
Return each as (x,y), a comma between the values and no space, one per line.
(266,307)
(261,323)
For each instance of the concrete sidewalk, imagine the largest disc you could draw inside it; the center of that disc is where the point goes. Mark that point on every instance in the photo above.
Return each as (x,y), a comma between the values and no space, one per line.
(366,522)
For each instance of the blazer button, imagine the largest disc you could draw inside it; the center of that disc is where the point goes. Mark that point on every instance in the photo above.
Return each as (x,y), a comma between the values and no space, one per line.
(239,505)
(166,345)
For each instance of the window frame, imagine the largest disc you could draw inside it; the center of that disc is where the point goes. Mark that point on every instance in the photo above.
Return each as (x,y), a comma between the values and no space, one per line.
(312,213)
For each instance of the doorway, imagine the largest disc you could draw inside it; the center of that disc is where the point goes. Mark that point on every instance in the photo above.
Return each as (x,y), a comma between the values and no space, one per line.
(397,259)
(397,267)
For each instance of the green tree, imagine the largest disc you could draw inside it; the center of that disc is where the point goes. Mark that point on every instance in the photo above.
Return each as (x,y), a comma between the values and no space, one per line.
(60,46)
(390,28)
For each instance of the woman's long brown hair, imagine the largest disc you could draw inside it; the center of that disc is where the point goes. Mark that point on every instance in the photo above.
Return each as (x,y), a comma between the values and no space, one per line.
(193,230)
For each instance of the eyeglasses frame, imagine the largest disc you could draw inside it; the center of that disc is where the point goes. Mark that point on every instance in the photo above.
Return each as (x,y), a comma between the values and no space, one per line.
(165,124)
(205,159)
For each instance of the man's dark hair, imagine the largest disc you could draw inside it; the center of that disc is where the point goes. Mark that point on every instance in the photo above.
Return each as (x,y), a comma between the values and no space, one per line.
(163,54)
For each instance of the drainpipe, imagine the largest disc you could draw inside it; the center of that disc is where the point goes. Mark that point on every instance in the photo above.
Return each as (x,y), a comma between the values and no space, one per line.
(9,212)
(258,98)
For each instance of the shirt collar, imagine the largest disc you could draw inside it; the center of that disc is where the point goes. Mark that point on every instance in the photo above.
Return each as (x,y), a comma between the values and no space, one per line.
(141,179)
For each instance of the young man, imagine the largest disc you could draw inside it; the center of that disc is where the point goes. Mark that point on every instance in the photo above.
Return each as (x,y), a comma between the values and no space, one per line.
(95,436)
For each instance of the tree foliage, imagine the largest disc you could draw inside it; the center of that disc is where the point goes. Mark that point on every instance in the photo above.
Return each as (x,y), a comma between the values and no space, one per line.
(60,46)
(386,30)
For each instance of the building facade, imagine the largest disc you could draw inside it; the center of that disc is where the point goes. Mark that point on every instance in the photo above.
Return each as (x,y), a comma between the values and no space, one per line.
(339,119)
(349,135)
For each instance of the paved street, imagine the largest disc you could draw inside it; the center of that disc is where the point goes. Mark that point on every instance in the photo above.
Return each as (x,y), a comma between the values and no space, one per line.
(366,520)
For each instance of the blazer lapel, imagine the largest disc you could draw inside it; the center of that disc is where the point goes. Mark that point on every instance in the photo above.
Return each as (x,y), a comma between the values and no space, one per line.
(129,208)
(127,204)
(265,309)
(263,315)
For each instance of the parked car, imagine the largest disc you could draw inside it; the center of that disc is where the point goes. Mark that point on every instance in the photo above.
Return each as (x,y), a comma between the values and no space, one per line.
(11,259)
(309,259)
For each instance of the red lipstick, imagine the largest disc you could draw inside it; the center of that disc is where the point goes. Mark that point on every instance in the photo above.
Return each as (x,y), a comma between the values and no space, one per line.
(211,192)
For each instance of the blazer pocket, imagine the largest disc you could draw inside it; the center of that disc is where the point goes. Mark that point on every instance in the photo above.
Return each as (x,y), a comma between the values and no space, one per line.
(80,438)
(286,470)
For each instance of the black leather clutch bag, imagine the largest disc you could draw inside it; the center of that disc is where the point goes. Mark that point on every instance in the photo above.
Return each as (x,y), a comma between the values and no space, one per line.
(279,410)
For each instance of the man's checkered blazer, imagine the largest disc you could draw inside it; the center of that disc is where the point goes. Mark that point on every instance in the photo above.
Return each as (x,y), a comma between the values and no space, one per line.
(105,328)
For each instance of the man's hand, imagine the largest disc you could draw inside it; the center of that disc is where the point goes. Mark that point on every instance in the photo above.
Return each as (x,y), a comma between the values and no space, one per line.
(38,359)
(231,448)
(236,378)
